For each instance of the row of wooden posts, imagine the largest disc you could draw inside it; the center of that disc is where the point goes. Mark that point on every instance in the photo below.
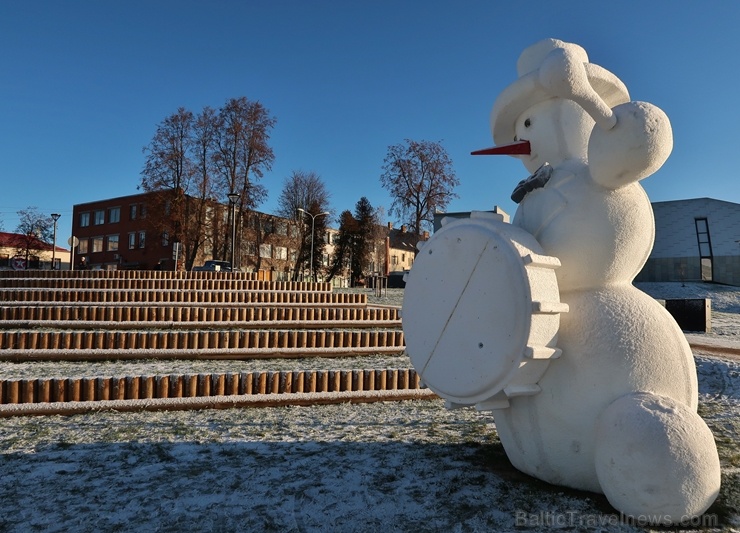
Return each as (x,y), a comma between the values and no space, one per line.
(198,340)
(179,313)
(89,389)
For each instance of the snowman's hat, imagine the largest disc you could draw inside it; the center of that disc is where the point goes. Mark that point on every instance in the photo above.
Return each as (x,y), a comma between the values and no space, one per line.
(527,91)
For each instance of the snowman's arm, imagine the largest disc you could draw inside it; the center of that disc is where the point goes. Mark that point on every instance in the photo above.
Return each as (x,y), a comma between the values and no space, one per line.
(636,147)
(563,74)
(629,142)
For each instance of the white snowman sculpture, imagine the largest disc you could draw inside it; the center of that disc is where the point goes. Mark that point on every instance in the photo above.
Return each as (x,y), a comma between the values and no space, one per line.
(591,383)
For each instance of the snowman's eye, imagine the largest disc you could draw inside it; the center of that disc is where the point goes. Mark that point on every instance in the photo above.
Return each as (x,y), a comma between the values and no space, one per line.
(527,123)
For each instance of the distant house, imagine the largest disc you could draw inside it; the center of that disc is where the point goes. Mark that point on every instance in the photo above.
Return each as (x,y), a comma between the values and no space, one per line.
(695,239)
(402,248)
(28,252)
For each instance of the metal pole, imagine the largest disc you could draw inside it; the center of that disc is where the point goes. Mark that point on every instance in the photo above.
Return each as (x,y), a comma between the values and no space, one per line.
(55,216)
(233,197)
(233,234)
(313,220)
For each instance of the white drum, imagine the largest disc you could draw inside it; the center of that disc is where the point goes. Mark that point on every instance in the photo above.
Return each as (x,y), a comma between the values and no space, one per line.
(481,312)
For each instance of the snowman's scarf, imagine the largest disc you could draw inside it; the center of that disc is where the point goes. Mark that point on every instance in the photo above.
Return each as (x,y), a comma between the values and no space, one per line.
(535,181)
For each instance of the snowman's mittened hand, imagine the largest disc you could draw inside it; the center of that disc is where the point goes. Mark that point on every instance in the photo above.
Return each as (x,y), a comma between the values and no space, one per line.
(636,148)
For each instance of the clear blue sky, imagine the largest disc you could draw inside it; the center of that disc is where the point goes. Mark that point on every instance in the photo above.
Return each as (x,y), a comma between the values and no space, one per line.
(83,85)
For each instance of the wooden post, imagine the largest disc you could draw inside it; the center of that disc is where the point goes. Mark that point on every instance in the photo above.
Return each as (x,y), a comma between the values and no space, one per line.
(28,391)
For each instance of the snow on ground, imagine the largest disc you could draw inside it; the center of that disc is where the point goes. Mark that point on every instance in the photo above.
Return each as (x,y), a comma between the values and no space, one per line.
(396,466)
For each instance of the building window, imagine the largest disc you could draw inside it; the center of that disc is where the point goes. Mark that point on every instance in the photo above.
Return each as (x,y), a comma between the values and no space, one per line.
(132,211)
(165,239)
(705,248)
(99,217)
(97,244)
(112,243)
(84,220)
(294,231)
(82,247)
(132,240)
(403,258)
(251,248)
(281,252)
(281,228)
(293,255)
(142,239)
(266,251)
(4,260)
(394,259)
(114,215)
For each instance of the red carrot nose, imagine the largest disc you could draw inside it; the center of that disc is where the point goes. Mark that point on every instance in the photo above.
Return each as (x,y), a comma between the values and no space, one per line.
(516,148)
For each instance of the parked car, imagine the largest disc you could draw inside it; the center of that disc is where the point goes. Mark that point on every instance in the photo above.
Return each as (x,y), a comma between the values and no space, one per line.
(213,266)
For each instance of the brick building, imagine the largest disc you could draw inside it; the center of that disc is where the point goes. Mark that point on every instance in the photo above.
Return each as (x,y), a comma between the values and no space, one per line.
(135,232)
(114,234)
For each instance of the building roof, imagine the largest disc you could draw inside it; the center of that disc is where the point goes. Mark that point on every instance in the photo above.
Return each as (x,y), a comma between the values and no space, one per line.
(18,240)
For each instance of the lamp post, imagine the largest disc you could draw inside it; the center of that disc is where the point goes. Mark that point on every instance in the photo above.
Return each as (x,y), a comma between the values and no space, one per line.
(313,221)
(55,216)
(233,197)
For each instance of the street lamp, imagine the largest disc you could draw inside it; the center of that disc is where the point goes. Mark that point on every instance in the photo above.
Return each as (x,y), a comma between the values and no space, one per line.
(55,216)
(233,197)
(313,220)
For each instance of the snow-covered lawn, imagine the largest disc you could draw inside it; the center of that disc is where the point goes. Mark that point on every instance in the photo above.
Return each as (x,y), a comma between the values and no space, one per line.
(396,466)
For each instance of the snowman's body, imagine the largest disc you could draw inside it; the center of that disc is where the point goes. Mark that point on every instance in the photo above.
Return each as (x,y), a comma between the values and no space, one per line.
(614,408)
(615,339)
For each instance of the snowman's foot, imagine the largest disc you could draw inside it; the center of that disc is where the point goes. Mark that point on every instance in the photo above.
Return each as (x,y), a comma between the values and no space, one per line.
(656,459)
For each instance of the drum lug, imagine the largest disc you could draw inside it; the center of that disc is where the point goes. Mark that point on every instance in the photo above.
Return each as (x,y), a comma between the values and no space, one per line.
(542,352)
(541,261)
(522,390)
(549,308)
(497,401)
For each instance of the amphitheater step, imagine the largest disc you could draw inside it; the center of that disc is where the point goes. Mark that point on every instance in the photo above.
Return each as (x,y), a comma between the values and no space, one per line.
(173,284)
(68,389)
(163,296)
(69,316)
(84,344)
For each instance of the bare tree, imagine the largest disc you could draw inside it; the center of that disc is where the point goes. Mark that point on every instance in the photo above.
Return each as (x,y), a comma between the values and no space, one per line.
(243,154)
(300,190)
(420,179)
(168,164)
(33,233)
(201,206)
(307,191)
(242,150)
(168,171)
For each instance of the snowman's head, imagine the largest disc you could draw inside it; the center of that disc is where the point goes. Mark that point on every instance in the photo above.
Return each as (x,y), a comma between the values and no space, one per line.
(557,130)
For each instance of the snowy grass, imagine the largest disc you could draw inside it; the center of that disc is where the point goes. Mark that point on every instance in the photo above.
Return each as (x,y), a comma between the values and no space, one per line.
(396,466)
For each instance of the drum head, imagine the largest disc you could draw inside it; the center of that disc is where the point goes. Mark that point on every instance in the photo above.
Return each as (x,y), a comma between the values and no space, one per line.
(467,311)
